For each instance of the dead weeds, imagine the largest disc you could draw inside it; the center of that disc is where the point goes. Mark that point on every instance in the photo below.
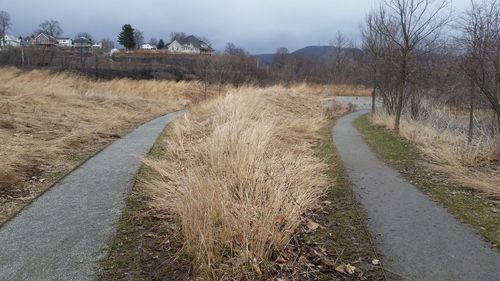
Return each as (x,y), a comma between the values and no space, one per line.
(331,241)
(49,123)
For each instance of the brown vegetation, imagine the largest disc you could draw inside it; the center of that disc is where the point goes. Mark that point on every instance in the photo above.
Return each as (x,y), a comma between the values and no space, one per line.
(51,122)
(148,243)
(239,173)
(430,85)
(441,135)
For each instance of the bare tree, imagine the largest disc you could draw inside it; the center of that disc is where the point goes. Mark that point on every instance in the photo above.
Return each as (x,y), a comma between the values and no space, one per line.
(107,45)
(204,72)
(153,42)
(340,57)
(381,54)
(221,65)
(480,38)
(50,27)
(373,45)
(138,38)
(410,25)
(177,36)
(281,64)
(84,35)
(5,25)
(279,58)
(232,50)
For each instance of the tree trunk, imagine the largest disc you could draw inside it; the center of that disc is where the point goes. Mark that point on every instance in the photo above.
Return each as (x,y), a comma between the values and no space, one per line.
(96,67)
(373,99)
(81,58)
(22,54)
(399,106)
(471,112)
(374,90)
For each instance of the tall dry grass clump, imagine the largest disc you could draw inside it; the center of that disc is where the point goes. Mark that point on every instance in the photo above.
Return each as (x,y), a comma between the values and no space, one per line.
(239,173)
(440,134)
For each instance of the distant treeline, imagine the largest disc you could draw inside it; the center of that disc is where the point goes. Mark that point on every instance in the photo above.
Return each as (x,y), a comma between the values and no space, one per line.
(233,66)
(335,65)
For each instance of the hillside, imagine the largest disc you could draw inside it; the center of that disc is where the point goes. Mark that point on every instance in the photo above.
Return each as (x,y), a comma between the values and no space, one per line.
(319,52)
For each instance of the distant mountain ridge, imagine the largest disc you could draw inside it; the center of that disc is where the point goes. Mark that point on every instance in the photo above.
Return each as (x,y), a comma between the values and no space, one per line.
(320,52)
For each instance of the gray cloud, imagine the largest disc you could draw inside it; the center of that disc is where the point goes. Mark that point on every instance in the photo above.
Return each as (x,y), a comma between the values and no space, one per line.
(257,25)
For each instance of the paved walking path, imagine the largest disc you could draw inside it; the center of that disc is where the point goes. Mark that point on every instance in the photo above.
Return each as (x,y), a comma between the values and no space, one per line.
(62,234)
(418,239)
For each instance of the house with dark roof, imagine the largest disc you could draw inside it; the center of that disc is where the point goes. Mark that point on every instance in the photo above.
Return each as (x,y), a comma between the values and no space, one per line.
(83,43)
(190,45)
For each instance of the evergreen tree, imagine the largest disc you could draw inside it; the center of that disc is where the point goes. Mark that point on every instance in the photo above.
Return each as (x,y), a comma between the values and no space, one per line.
(160,45)
(126,37)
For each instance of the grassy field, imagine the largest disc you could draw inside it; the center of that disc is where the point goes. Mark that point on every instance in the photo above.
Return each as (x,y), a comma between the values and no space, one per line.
(52,122)
(49,123)
(464,202)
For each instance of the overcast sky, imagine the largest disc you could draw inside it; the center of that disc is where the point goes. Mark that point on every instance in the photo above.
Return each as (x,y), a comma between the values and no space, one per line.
(260,26)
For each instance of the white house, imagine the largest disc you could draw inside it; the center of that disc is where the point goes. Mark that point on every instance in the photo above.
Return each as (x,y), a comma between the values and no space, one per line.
(10,41)
(64,42)
(190,45)
(97,45)
(148,47)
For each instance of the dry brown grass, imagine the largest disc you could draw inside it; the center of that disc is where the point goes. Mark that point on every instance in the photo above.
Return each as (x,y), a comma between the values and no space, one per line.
(345,90)
(441,135)
(239,173)
(50,122)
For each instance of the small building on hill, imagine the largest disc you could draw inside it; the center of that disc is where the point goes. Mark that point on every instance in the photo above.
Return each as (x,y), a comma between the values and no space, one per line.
(190,45)
(148,47)
(44,40)
(82,43)
(64,42)
(10,41)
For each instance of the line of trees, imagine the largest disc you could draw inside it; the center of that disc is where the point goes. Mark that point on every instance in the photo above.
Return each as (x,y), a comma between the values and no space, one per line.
(409,57)
(479,43)
(405,57)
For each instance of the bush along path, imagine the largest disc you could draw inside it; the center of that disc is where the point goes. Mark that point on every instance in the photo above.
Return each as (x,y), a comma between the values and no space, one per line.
(419,240)
(63,233)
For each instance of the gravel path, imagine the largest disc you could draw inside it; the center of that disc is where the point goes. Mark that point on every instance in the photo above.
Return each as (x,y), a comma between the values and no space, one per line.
(62,234)
(419,240)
